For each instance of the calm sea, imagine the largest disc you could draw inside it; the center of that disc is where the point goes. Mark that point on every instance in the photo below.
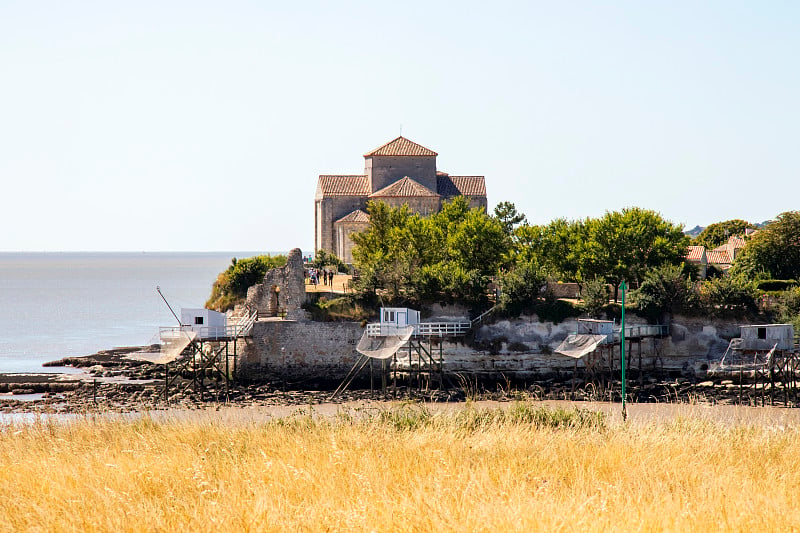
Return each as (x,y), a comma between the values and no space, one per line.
(54,305)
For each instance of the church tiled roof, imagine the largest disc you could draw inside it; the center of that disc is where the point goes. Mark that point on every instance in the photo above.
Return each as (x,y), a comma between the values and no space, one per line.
(400,147)
(355,216)
(405,187)
(460,185)
(350,185)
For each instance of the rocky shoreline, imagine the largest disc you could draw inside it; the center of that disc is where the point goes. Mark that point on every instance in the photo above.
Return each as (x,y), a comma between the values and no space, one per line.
(111,381)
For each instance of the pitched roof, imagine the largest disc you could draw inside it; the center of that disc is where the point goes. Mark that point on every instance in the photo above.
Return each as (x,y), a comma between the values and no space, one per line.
(460,185)
(736,241)
(718,257)
(350,185)
(695,253)
(404,188)
(401,147)
(355,216)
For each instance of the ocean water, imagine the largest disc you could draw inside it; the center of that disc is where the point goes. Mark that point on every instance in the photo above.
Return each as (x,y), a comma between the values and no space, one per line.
(59,304)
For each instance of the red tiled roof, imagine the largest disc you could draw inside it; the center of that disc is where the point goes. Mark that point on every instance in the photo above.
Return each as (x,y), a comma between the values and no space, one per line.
(736,241)
(718,257)
(356,216)
(695,253)
(449,186)
(403,188)
(401,147)
(353,185)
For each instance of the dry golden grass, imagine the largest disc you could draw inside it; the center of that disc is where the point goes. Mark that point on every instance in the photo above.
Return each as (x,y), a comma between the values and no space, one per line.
(403,469)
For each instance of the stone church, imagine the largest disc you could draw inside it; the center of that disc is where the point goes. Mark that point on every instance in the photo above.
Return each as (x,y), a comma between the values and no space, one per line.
(399,172)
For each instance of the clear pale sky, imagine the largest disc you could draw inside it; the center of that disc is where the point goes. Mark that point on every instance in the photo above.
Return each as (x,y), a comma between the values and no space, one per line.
(204,125)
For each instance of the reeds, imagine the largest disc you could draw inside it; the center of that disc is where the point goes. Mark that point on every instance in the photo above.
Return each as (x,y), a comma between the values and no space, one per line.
(524,468)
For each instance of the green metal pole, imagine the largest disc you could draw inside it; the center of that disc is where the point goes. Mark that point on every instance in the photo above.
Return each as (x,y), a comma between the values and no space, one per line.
(623,287)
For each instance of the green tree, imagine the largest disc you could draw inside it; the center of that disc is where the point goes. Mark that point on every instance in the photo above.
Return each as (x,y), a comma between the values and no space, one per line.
(626,244)
(775,249)
(665,289)
(520,288)
(323,259)
(506,213)
(718,233)
(557,247)
(451,255)
(382,253)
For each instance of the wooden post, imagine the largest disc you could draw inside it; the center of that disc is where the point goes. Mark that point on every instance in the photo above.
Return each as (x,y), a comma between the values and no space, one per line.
(574,377)
(227,372)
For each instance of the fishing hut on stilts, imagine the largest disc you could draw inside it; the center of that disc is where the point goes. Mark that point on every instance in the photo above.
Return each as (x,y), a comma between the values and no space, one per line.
(201,348)
(764,362)
(404,349)
(596,348)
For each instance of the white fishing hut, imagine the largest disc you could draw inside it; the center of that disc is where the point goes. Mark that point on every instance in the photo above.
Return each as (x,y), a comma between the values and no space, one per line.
(766,336)
(393,319)
(206,323)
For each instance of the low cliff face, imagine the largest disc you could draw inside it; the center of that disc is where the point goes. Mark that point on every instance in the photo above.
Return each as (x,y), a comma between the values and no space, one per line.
(689,337)
(517,348)
(526,345)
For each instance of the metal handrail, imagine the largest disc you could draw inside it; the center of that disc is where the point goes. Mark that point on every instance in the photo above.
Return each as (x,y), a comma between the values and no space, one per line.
(478,318)
(231,331)
(422,329)
(246,326)
(644,330)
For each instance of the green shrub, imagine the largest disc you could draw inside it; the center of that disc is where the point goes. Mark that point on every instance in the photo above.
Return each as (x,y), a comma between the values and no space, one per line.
(344,308)
(788,308)
(729,296)
(767,285)
(231,286)
(557,311)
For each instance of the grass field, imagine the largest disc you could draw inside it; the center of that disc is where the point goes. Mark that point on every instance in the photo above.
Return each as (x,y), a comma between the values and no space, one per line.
(405,468)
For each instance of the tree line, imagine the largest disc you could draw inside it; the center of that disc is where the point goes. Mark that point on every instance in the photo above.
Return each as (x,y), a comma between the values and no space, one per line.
(460,254)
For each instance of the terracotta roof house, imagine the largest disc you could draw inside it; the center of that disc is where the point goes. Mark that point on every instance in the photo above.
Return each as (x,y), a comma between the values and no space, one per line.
(697,256)
(398,172)
(724,256)
(719,258)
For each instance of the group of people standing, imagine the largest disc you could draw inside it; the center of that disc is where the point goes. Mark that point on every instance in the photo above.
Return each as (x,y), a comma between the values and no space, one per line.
(314,275)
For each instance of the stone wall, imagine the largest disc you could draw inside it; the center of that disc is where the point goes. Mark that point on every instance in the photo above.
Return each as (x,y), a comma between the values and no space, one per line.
(385,170)
(344,244)
(299,351)
(424,205)
(330,210)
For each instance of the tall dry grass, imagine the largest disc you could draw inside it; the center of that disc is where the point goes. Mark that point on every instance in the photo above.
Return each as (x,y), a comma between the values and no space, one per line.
(404,469)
